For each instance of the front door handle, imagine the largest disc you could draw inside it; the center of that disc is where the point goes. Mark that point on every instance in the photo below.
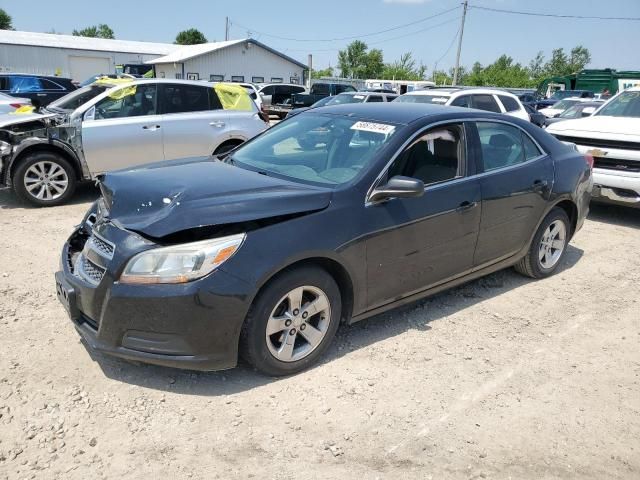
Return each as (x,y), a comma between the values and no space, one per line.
(41,94)
(465,206)
(217,123)
(151,128)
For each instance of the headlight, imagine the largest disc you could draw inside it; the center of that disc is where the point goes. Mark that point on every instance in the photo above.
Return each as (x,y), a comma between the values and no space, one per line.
(181,263)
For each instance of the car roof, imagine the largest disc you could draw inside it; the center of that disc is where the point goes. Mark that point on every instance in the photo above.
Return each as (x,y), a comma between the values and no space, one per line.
(52,77)
(365,93)
(449,91)
(392,112)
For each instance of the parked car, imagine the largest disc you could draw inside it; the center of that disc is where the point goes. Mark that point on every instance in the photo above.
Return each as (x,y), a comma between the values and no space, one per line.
(9,104)
(577,110)
(40,89)
(107,127)
(559,107)
(488,99)
(319,91)
(535,116)
(266,252)
(348,97)
(612,136)
(276,97)
(527,98)
(561,95)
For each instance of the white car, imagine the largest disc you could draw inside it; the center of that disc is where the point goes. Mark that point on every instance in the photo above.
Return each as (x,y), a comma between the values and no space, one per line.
(559,107)
(115,124)
(612,137)
(9,104)
(489,99)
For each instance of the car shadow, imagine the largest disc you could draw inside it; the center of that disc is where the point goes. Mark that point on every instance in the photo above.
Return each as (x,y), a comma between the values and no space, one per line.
(85,192)
(348,339)
(614,215)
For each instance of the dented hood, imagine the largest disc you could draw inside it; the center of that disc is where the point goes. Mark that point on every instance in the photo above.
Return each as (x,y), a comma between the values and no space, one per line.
(159,201)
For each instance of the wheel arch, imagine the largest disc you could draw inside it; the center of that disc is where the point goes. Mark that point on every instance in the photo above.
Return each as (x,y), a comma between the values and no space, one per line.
(234,141)
(571,209)
(44,147)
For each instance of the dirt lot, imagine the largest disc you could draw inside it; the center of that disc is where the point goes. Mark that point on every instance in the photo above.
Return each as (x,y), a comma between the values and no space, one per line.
(502,378)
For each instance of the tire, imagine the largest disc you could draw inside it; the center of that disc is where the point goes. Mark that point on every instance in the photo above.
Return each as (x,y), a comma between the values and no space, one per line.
(45,191)
(543,258)
(226,147)
(269,353)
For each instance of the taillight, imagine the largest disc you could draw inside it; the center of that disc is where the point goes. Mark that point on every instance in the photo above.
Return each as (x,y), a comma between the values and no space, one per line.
(16,105)
(589,159)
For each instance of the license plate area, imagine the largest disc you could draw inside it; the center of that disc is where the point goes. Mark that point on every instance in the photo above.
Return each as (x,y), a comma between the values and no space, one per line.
(67,296)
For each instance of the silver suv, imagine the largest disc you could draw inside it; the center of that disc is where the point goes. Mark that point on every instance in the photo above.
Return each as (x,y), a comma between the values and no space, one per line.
(115,124)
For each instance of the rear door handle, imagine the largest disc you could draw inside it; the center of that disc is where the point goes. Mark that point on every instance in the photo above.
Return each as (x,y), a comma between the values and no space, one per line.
(151,127)
(41,94)
(540,185)
(217,123)
(465,206)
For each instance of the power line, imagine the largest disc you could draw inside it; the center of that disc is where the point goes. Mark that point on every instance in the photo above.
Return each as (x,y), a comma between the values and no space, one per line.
(553,15)
(349,37)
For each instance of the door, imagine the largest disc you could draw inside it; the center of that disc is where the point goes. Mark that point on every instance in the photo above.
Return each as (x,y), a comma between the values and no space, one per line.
(420,242)
(83,67)
(516,184)
(123,129)
(193,120)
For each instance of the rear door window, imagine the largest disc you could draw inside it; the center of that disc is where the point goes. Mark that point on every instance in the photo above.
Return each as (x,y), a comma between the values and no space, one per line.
(509,104)
(502,145)
(485,102)
(462,101)
(178,98)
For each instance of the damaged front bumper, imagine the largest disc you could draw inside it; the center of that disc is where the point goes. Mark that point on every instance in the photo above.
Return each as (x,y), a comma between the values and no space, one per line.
(195,325)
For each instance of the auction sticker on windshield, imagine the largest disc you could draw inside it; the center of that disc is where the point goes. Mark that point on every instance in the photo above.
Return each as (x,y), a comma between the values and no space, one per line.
(373,127)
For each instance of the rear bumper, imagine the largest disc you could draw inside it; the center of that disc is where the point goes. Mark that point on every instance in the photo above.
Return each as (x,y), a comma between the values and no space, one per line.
(193,326)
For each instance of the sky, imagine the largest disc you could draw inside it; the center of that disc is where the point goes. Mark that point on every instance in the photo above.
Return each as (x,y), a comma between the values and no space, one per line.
(305,26)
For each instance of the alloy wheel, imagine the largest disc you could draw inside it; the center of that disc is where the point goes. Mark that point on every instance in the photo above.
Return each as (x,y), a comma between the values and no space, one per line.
(552,244)
(46,180)
(298,323)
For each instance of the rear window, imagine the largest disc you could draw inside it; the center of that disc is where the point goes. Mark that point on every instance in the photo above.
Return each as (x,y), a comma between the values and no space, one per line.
(510,104)
(408,98)
(320,89)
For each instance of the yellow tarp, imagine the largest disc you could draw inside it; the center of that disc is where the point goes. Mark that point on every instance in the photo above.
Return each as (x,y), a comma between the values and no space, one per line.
(24,109)
(122,92)
(233,97)
(112,81)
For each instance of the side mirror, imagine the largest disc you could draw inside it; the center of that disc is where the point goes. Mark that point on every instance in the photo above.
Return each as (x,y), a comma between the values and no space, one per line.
(36,103)
(398,187)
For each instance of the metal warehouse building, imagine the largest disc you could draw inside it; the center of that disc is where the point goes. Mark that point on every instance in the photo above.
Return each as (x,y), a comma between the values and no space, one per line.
(79,58)
(232,61)
(69,56)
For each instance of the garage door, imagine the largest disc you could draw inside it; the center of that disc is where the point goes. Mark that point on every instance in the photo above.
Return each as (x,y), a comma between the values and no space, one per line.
(82,68)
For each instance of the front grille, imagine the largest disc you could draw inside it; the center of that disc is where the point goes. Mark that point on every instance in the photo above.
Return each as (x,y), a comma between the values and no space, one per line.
(616,164)
(101,246)
(90,271)
(600,143)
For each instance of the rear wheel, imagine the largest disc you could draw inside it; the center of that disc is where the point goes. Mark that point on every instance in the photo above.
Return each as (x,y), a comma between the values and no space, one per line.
(292,322)
(44,179)
(548,246)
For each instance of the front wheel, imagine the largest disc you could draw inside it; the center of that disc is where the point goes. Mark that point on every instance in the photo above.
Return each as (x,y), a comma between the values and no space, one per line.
(548,246)
(292,322)
(44,179)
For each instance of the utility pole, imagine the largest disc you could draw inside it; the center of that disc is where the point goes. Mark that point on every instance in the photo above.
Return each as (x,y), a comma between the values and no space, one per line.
(464,15)
(226,29)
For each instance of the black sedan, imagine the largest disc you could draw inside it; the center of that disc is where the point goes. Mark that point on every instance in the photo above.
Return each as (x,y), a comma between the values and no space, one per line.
(266,252)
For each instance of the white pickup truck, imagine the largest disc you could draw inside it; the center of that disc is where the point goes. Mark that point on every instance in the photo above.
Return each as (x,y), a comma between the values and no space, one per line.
(612,137)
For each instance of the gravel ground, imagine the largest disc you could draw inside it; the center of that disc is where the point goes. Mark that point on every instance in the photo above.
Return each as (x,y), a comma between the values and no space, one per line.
(501,378)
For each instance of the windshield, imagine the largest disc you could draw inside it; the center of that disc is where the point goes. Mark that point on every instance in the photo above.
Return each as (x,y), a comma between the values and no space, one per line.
(564,104)
(571,112)
(346,98)
(439,99)
(321,102)
(77,98)
(312,148)
(560,94)
(627,104)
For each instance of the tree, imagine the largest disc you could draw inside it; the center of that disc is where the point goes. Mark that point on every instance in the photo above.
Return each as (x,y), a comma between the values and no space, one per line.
(404,69)
(536,66)
(191,36)
(357,62)
(5,20)
(580,57)
(327,72)
(100,31)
